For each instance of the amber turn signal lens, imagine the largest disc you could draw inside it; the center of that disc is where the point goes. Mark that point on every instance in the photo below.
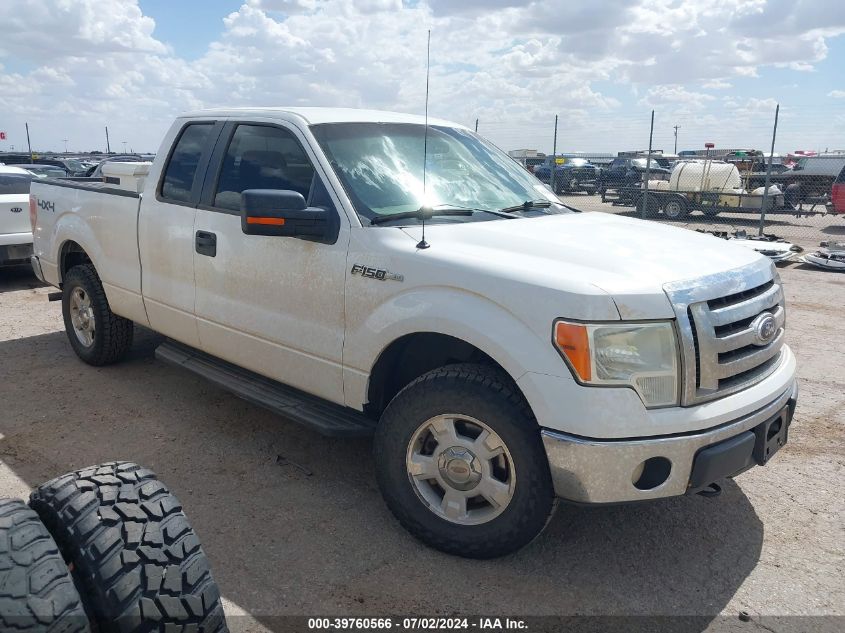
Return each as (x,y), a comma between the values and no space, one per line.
(572,339)
(270,221)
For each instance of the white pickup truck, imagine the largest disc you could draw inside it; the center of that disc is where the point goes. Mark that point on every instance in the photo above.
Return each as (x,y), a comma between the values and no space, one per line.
(367,273)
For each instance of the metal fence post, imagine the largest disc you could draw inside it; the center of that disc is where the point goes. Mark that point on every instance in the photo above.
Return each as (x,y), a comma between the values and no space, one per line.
(648,166)
(768,174)
(554,160)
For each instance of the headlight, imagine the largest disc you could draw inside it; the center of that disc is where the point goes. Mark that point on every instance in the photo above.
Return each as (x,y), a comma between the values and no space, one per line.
(643,356)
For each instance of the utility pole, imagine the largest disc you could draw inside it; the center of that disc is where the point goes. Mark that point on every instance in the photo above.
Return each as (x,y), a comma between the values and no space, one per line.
(28,144)
(108,149)
(65,140)
(476,126)
(677,127)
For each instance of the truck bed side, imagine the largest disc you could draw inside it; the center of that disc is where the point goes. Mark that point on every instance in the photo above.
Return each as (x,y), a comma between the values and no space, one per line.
(102,221)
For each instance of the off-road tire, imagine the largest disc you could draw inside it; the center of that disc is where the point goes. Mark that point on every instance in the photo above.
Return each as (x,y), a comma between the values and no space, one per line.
(113,334)
(36,589)
(486,394)
(137,559)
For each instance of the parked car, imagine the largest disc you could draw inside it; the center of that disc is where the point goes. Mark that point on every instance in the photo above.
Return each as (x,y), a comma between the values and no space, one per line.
(626,174)
(812,177)
(44,171)
(501,348)
(15,229)
(576,174)
(837,193)
(72,166)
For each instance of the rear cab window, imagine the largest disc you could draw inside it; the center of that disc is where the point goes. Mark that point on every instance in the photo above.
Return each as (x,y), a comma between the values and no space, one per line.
(181,169)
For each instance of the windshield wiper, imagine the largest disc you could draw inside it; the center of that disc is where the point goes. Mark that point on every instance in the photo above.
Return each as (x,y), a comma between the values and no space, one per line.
(527,206)
(422,213)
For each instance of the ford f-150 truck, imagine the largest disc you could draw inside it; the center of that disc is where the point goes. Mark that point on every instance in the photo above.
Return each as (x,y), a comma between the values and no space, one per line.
(367,272)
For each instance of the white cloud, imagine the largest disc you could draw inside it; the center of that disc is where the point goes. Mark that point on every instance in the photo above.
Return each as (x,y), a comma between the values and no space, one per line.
(837,94)
(70,67)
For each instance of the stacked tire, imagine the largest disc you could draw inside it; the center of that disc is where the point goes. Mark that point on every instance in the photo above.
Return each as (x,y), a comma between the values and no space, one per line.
(106,548)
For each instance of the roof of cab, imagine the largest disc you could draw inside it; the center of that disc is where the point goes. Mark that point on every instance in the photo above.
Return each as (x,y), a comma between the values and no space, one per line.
(313,116)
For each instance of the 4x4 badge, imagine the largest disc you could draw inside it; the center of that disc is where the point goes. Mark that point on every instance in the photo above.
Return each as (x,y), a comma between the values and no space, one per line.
(375,273)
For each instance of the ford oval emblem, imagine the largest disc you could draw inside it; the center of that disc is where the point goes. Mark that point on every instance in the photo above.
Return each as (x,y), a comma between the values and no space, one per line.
(764,328)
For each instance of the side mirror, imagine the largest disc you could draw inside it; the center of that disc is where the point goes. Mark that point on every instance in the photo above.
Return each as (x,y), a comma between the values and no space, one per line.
(284,213)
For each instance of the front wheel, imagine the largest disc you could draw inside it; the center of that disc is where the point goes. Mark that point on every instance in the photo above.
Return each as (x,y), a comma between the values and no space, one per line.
(460,463)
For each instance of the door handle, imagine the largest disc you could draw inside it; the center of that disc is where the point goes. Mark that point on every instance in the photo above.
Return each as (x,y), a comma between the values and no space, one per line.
(206,243)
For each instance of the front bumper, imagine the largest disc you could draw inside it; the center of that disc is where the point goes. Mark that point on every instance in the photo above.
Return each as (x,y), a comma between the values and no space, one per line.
(605,471)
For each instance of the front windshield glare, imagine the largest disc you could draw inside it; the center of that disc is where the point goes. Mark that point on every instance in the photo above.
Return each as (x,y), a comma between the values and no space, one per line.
(381,168)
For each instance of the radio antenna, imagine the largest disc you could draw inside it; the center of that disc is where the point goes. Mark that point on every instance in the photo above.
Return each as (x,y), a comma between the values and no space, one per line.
(423,210)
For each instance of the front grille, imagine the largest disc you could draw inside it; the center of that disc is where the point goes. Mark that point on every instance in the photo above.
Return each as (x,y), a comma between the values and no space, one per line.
(723,351)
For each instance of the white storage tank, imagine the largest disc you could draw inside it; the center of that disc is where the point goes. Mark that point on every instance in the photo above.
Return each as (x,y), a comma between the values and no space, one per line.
(710,175)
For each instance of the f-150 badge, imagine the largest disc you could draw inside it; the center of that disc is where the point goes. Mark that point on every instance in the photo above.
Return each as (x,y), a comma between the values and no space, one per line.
(375,273)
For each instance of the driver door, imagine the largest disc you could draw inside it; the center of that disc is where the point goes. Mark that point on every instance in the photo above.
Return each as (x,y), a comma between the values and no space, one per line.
(271,304)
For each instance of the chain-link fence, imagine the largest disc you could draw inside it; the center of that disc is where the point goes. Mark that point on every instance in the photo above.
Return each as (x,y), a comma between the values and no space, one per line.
(772,175)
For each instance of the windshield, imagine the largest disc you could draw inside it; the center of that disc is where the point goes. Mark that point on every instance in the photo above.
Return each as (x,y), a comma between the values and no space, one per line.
(655,162)
(74,164)
(381,167)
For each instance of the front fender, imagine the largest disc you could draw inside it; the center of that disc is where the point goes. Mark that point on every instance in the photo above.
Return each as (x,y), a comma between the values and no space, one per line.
(470,317)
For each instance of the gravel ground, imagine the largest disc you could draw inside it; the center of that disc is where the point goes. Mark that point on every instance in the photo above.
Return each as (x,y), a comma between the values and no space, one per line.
(294,524)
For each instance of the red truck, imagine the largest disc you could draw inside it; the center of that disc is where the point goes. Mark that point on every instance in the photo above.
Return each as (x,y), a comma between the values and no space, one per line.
(837,193)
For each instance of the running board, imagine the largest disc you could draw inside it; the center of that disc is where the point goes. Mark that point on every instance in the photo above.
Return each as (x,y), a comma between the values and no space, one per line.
(324,417)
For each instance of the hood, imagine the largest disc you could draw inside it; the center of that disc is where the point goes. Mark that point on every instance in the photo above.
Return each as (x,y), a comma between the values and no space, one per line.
(627,258)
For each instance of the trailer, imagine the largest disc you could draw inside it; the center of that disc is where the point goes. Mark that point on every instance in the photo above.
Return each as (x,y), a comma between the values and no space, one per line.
(708,186)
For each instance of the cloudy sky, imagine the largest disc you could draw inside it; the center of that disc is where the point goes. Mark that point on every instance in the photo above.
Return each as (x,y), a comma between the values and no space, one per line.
(716,68)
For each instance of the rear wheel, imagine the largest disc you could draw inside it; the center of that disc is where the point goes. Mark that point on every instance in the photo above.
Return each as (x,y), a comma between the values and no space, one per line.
(96,334)
(652,208)
(460,463)
(137,558)
(37,592)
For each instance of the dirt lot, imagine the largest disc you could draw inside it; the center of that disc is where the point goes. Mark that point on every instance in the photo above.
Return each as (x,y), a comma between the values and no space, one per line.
(294,524)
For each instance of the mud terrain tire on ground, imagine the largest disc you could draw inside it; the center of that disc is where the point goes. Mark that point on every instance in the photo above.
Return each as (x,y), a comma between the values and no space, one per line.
(36,589)
(138,561)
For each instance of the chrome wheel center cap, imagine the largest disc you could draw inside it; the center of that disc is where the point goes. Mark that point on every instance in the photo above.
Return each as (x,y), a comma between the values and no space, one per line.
(459,467)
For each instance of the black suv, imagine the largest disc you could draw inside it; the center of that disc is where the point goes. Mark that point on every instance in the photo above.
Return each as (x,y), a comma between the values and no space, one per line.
(625,173)
(576,174)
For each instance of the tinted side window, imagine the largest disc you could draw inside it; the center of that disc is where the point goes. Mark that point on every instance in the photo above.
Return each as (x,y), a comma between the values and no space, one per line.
(262,157)
(182,167)
(14,184)
(841,177)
